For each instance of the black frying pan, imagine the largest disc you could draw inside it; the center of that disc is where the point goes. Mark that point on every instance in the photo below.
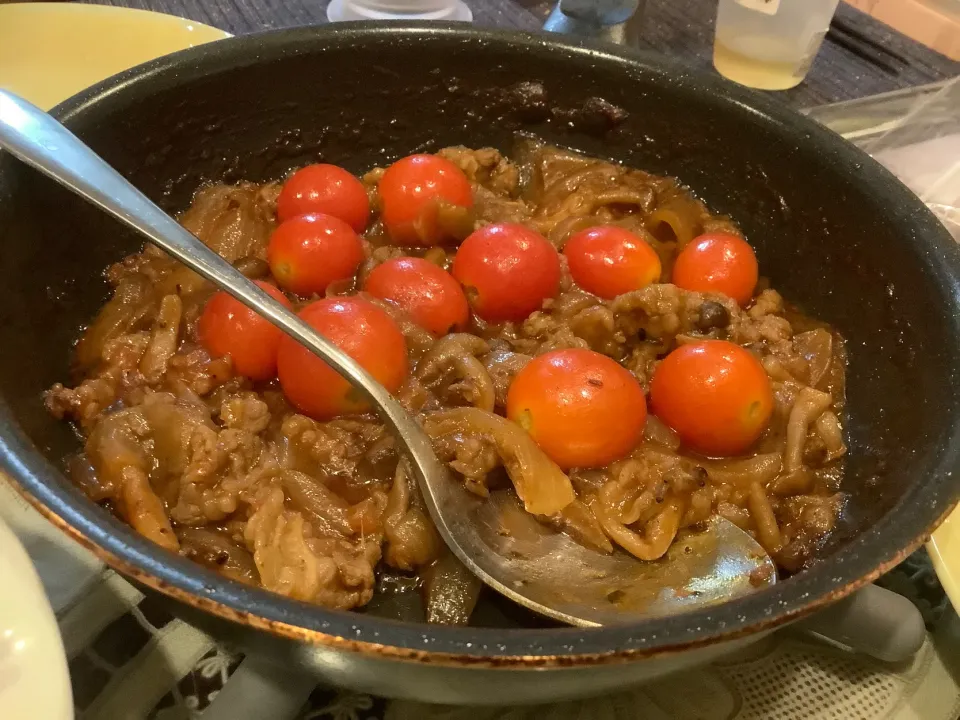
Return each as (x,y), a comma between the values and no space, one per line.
(836,233)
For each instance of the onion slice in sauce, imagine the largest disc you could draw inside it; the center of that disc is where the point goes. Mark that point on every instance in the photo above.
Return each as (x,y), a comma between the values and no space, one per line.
(541,484)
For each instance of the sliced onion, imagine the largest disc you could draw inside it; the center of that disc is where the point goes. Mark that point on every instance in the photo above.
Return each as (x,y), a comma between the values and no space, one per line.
(579,522)
(450,591)
(326,511)
(810,404)
(211,548)
(541,485)
(743,472)
(816,347)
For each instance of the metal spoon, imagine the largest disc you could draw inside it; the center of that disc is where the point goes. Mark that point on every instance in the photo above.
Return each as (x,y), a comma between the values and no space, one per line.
(543,570)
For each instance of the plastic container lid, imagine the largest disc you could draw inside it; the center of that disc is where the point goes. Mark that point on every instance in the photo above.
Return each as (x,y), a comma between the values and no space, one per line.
(450,10)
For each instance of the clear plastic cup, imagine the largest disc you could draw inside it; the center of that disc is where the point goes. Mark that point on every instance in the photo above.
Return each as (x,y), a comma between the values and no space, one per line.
(345,10)
(770,44)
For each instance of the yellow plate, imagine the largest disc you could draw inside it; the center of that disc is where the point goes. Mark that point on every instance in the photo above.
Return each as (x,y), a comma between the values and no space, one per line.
(944,549)
(50,51)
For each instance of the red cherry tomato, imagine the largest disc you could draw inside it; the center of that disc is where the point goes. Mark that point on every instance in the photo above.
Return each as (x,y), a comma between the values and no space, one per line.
(308,252)
(359,328)
(428,293)
(715,395)
(425,200)
(228,327)
(507,270)
(582,408)
(720,263)
(609,261)
(325,189)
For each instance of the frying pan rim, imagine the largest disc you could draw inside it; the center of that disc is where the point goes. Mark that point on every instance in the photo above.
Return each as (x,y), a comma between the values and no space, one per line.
(828,581)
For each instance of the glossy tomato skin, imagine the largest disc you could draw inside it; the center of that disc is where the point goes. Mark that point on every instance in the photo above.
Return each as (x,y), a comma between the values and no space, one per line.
(609,261)
(359,328)
(582,408)
(428,293)
(414,191)
(308,252)
(507,271)
(719,263)
(715,395)
(228,327)
(325,189)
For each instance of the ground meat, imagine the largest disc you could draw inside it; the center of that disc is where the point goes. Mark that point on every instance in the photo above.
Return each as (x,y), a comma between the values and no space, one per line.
(245,411)
(474,457)
(487,168)
(329,571)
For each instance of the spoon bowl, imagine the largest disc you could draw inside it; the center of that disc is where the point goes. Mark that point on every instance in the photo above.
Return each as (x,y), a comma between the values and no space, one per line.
(552,574)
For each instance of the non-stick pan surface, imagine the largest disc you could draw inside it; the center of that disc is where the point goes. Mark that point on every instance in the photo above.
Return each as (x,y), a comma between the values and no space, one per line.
(836,233)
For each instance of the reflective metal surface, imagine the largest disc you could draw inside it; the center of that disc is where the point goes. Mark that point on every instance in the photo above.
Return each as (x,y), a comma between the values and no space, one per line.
(549,572)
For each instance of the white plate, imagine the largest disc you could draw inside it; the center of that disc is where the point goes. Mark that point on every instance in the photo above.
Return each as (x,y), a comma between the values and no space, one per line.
(34,682)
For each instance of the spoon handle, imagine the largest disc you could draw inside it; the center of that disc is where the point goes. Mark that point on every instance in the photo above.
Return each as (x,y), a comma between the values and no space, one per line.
(36,138)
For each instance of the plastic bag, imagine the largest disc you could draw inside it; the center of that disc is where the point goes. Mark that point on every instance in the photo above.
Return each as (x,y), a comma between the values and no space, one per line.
(916,134)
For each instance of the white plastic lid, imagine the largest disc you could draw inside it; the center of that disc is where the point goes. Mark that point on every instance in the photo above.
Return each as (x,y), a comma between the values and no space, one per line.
(451,10)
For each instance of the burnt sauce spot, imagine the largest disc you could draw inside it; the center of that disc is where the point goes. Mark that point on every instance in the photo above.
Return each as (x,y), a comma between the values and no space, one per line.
(595,116)
(526,101)
(529,102)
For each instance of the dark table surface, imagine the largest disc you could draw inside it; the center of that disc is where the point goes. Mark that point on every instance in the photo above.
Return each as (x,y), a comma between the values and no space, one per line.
(860,57)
